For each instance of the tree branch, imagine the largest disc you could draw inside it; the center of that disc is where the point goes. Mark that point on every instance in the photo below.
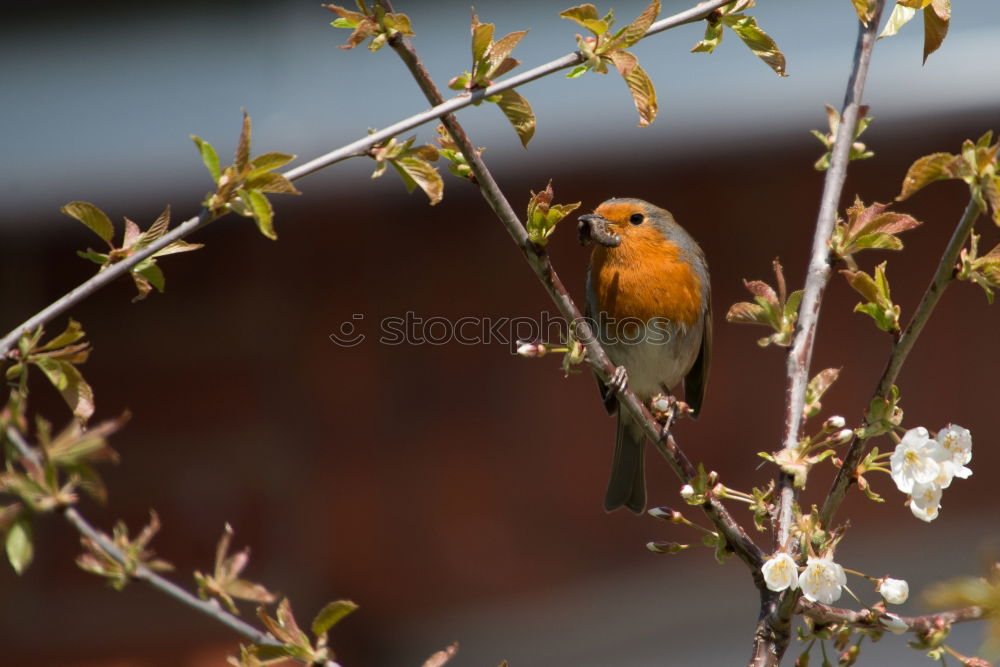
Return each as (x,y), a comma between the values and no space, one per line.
(354,149)
(868,618)
(943,275)
(800,353)
(538,260)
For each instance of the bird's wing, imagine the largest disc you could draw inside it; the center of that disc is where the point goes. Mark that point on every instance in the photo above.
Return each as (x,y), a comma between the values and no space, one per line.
(697,378)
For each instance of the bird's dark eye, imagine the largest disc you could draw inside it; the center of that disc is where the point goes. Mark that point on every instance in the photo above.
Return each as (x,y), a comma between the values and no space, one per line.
(636,218)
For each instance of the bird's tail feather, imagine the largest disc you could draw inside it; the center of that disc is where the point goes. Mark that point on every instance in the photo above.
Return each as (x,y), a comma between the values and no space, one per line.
(627,486)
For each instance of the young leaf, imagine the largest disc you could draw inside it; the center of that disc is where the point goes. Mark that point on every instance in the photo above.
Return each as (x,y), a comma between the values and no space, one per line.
(637,29)
(261,211)
(418,172)
(330,615)
(65,377)
(208,156)
(586,15)
(937,15)
(519,113)
(712,38)
(269,162)
(760,42)
(18,544)
(901,15)
(639,84)
(242,157)
(815,390)
(865,9)
(930,168)
(91,216)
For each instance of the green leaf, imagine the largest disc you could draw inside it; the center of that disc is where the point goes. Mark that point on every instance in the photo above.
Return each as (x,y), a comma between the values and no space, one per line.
(275,183)
(877,241)
(816,388)
(151,272)
(330,615)
(937,15)
(91,216)
(418,172)
(519,113)
(712,38)
(208,156)
(639,85)
(242,157)
(586,15)
(343,23)
(399,23)
(865,9)
(930,168)
(745,312)
(19,548)
(270,161)
(503,47)
(577,71)
(637,29)
(262,212)
(72,333)
(901,15)
(759,41)
(482,38)
(65,377)
(178,246)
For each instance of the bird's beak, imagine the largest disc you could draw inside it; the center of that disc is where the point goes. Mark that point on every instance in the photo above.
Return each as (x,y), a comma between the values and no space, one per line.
(592,227)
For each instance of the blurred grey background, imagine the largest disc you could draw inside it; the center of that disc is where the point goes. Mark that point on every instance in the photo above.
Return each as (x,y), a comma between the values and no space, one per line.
(455,492)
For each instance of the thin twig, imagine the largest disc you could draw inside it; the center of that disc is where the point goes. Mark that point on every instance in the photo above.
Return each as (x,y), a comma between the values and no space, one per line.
(943,276)
(538,259)
(140,571)
(867,618)
(354,149)
(800,354)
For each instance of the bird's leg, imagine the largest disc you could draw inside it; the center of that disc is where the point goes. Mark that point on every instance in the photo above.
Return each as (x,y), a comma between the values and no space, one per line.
(616,383)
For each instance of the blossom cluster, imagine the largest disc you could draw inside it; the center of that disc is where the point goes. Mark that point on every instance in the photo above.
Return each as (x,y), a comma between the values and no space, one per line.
(923,467)
(823,580)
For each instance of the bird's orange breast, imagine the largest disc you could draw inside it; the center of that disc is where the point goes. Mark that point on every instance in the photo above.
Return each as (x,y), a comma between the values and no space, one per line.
(645,277)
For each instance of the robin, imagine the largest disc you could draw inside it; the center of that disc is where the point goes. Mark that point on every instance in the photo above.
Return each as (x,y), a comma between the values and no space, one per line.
(649,303)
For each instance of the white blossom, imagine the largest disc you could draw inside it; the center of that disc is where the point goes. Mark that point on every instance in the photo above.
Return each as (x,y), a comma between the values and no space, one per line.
(895,591)
(925,501)
(822,580)
(687,492)
(955,451)
(915,460)
(780,572)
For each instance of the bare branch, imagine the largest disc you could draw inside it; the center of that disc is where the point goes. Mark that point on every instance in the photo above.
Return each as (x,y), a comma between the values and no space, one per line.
(868,618)
(800,353)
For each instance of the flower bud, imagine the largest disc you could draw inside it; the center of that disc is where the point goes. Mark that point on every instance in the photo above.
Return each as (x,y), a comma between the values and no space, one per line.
(666,547)
(842,437)
(667,514)
(834,423)
(531,350)
(893,624)
(895,591)
(687,492)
